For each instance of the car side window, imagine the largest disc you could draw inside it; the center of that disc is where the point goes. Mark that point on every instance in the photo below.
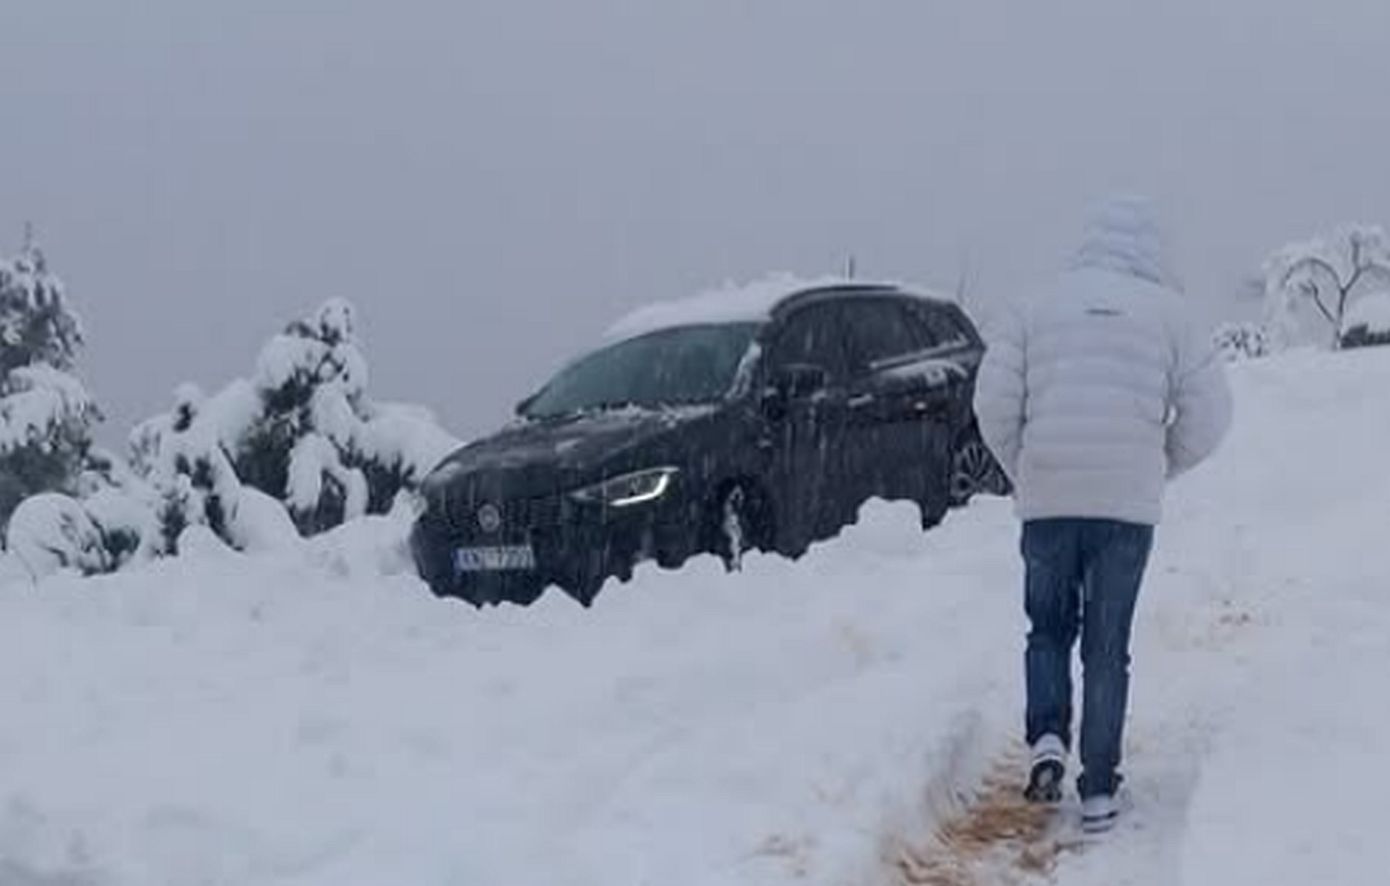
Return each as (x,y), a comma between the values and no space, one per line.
(880,331)
(813,335)
(940,327)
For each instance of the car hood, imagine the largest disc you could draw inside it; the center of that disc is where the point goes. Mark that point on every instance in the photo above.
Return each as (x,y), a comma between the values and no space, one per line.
(566,449)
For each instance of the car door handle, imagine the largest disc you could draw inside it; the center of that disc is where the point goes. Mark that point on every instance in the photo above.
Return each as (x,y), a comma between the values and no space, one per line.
(932,408)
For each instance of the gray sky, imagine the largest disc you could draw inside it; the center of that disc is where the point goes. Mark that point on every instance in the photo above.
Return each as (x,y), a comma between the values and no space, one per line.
(493,182)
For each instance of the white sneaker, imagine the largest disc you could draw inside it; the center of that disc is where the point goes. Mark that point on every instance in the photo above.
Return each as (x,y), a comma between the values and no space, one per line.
(1045,773)
(1099,813)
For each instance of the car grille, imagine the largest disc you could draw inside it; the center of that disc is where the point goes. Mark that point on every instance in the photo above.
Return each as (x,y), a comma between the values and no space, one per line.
(519,515)
(531,513)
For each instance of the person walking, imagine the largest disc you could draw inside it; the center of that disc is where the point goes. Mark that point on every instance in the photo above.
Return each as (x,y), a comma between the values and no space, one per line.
(1093,393)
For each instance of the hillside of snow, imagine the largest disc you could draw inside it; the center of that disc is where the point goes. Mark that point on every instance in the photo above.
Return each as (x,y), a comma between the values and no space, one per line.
(316,717)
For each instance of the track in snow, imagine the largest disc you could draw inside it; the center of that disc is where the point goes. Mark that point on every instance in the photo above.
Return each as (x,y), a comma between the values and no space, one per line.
(1191,632)
(997,839)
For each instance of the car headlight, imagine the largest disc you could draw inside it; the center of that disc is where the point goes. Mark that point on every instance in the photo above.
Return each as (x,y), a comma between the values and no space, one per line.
(629,489)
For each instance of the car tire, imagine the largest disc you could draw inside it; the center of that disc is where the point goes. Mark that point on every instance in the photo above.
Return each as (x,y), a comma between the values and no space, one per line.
(738,521)
(934,512)
(584,589)
(974,470)
(529,594)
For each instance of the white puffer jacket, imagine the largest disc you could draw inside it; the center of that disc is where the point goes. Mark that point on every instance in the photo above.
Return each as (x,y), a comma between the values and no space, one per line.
(1096,390)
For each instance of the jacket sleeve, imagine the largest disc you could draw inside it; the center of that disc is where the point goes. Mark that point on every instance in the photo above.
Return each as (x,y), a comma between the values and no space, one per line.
(1200,398)
(1000,392)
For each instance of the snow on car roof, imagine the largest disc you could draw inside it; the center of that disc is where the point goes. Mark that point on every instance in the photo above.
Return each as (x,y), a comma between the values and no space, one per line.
(730,303)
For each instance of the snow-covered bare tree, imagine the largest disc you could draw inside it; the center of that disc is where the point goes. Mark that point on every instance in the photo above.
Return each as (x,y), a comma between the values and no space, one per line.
(1367,322)
(1310,286)
(46,415)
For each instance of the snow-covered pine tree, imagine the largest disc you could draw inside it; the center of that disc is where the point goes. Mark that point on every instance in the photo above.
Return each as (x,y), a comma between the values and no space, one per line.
(182,478)
(46,414)
(310,380)
(188,469)
(320,445)
(300,433)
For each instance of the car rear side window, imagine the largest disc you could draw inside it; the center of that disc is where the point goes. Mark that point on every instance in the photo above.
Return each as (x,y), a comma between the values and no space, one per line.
(940,326)
(880,331)
(813,335)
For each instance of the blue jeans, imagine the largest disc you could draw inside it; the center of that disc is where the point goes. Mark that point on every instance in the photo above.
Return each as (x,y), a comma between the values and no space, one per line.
(1083,579)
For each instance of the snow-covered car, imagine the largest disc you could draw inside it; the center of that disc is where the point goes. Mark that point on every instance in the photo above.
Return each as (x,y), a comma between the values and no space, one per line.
(756,418)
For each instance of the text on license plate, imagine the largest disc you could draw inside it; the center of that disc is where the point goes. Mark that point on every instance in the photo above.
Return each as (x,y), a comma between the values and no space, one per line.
(494,559)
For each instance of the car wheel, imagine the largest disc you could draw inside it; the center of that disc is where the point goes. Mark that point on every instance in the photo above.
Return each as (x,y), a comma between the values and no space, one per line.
(525,596)
(738,523)
(583,589)
(975,471)
(934,512)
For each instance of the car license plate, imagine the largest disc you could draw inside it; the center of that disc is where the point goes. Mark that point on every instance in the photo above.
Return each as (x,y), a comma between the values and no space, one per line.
(495,559)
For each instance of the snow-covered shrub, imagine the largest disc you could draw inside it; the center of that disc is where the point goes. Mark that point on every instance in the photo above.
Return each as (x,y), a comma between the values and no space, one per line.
(1241,341)
(259,523)
(49,532)
(182,459)
(301,430)
(109,522)
(1367,322)
(46,415)
(122,505)
(319,444)
(187,478)
(1311,286)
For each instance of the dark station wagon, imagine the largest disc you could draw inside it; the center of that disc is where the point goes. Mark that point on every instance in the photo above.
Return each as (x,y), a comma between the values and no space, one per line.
(759,421)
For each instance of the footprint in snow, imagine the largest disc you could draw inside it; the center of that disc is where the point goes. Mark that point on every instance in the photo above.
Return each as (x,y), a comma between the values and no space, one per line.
(998,839)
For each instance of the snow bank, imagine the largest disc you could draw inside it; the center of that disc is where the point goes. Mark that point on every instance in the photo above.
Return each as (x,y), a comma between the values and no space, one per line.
(1261,626)
(262,719)
(1295,784)
(13,570)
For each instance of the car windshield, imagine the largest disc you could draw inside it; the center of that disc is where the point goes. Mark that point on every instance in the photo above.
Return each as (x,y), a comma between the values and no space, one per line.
(688,364)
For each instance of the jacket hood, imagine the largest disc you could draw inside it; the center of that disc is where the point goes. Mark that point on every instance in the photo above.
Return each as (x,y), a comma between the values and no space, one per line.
(1123,235)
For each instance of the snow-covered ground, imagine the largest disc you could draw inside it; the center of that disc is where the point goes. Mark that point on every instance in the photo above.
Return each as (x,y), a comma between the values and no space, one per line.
(316,717)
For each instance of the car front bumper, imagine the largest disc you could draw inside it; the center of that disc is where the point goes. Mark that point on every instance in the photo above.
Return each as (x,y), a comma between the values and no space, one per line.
(581,548)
